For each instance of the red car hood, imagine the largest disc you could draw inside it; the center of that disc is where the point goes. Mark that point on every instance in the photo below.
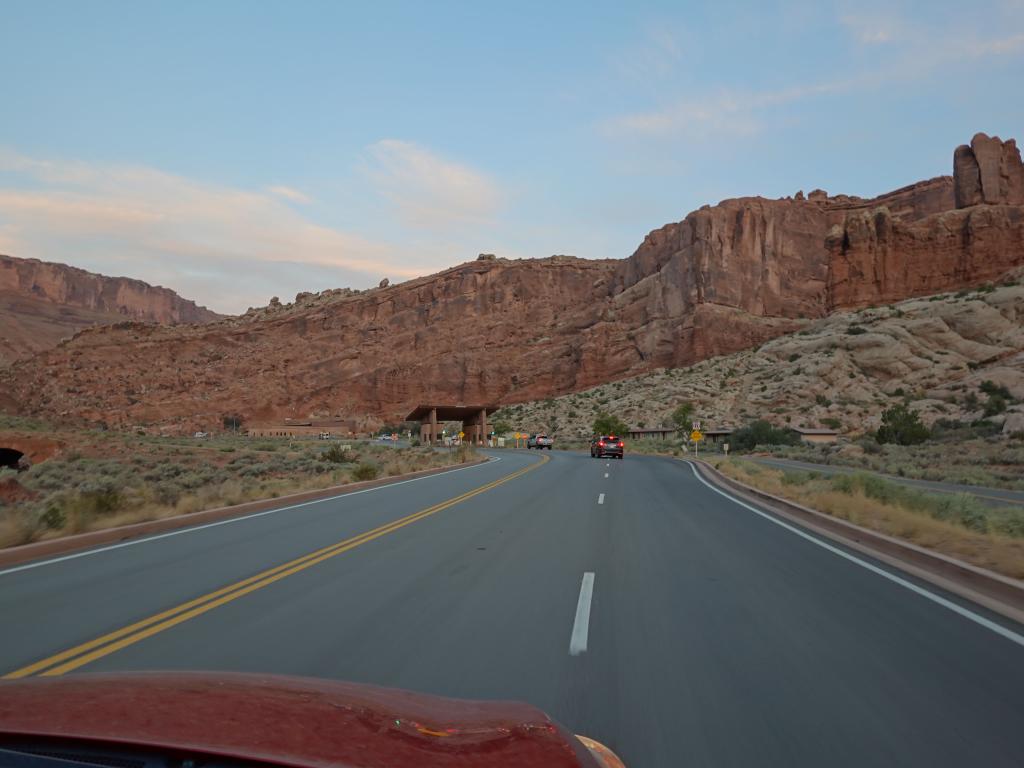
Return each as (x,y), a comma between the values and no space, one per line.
(286,720)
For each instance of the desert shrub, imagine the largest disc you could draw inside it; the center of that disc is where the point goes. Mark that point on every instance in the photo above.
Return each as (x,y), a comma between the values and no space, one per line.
(820,399)
(761,433)
(996,404)
(53,517)
(856,330)
(902,426)
(870,446)
(798,478)
(336,455)
(256,470)
(794,357)
(365,471)
(989,387)
(166,492)
(832,422)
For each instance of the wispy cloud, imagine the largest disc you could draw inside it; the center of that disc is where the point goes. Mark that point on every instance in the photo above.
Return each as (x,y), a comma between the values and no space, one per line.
(872,28)
(997,47)
(732,112)
(653,57)
(290,193)
(728,112)
(143,220)
(429,191)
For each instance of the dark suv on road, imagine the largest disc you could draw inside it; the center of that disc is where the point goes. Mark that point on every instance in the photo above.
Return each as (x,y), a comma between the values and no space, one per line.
(606,445)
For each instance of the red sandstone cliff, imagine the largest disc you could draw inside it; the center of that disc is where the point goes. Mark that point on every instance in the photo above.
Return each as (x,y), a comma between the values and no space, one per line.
(726,278)
(42,302)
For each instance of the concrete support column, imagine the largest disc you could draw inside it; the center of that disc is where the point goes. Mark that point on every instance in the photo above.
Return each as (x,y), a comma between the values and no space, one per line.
(484,432)
(433,426)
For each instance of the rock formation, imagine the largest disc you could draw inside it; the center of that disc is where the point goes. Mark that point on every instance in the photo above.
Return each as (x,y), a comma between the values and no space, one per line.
(988,171)
(726,278)
(42,302)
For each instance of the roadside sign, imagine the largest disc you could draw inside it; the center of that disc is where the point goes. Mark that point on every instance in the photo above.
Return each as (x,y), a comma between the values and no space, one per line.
(696,426)
(461,435)
(725,447)
(696,436)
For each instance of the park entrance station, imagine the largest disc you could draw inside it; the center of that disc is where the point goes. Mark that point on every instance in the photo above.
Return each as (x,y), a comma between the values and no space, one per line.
(473,418)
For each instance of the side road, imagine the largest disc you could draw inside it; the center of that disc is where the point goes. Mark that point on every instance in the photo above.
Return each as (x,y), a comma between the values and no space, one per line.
(991,496)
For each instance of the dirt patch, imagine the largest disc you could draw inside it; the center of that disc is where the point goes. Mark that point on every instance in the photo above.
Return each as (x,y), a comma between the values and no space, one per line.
(12,492)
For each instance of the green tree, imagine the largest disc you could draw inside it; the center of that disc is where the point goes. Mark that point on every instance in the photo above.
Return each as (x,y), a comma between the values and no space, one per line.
(761,433)
(682,417)
(902,426)
(607,424)
(501,427)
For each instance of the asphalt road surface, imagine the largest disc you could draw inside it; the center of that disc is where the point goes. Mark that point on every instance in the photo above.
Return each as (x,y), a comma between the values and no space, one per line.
(990,496)
(712,636)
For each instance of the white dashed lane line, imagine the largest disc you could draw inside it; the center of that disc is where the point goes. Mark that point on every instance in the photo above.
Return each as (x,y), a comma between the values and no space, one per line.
(581,626)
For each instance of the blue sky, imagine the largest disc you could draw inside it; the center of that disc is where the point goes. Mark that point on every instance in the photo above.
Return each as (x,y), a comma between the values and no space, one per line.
(238,150)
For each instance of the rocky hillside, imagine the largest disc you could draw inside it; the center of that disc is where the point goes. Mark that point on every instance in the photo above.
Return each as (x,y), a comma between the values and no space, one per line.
(42,302)
(842,370)
(727,278)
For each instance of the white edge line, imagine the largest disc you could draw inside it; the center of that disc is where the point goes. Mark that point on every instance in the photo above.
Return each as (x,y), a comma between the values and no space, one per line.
(999,629)
(600,498)
(192,529)
(581,626)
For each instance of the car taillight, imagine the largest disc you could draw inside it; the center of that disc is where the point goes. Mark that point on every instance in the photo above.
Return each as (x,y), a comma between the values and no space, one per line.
(622,445)
(600,444)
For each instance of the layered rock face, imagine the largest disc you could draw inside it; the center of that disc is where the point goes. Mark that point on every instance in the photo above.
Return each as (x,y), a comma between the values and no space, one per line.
(878,255)
(42,302)
(726,278)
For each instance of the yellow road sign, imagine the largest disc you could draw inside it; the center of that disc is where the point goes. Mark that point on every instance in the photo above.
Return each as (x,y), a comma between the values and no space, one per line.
(461,435)
(696,436)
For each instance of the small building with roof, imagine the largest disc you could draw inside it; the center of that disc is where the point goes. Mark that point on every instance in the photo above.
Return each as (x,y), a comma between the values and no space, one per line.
(816,436)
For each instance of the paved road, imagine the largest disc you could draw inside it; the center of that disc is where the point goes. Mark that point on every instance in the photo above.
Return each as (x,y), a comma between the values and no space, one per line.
(991,496)
(716,636)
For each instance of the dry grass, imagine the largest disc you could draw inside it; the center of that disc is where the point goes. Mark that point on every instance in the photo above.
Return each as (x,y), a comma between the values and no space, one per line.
(103,479)
(986,537)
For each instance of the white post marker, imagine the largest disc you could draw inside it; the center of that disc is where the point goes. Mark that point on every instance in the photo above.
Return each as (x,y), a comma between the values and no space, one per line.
(606,474)
(600,498)
(581,626)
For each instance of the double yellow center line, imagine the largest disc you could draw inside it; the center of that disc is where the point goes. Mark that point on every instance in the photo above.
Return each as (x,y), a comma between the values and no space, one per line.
(73,658)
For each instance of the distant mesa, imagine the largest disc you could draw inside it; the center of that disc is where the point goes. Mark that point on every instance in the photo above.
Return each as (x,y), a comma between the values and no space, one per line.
(728,277)
(42,302)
